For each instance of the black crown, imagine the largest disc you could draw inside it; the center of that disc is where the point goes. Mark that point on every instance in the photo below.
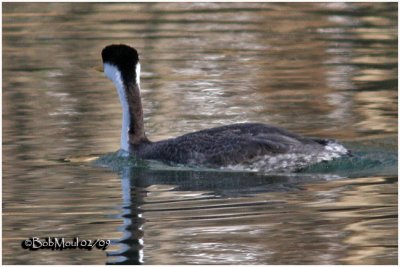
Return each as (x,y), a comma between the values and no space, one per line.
(124,57)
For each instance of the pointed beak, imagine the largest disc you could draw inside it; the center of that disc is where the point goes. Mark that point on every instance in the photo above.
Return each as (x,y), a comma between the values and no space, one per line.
(99,68)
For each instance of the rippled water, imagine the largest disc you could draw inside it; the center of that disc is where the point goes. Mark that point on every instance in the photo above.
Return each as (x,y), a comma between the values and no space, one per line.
(319,69)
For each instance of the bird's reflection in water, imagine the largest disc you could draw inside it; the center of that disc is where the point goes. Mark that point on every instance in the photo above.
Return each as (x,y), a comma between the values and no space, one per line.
(131,244)
(135,180)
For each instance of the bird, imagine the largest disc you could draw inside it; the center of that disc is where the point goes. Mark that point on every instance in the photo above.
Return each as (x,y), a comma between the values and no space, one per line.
(249,145)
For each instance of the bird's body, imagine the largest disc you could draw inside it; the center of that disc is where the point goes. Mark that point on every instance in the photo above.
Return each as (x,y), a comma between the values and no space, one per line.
(237,144)
(244,144)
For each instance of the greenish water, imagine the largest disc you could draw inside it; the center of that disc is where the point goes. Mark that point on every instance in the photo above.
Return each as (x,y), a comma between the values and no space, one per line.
(318,69)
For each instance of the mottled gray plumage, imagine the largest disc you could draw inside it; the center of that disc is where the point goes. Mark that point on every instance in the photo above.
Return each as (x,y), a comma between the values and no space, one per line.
(227,145)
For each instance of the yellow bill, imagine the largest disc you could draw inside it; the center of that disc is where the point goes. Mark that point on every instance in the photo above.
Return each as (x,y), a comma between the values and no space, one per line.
(99,68)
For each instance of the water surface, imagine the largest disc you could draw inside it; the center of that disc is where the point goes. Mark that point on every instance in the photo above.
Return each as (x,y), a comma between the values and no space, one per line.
(318,69)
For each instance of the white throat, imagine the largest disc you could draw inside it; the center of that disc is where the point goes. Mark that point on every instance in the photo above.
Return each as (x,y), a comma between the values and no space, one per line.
(137,70)
(115,76)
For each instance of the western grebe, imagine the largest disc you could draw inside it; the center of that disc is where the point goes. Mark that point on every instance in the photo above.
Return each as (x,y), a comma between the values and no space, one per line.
(249,144)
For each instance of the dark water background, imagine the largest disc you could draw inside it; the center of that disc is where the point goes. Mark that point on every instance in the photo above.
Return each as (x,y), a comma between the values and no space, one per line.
(320,69)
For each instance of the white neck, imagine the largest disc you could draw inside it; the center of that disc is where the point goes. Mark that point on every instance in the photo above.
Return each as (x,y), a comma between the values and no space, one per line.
(114,75)
(137,70)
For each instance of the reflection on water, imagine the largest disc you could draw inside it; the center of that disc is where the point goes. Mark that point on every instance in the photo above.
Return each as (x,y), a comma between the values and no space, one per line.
(321,69)
(197,217)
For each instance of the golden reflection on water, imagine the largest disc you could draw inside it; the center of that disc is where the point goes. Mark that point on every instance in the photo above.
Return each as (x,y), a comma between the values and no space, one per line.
(322,69)
(363,200)
(324,219)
